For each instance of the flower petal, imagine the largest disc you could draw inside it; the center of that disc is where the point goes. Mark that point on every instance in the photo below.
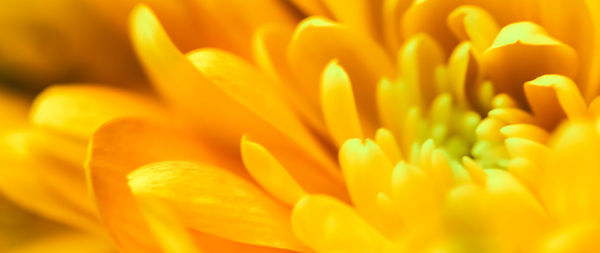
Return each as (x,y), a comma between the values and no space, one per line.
(568,186)
(523,51)
(337,102)
(327,225)
(43,184)
(78,110)
(419,61)
(554,97)
(317,41)
(119,147)
(368,172)
(208,79)
(361,15)
(269,173)
(214,201)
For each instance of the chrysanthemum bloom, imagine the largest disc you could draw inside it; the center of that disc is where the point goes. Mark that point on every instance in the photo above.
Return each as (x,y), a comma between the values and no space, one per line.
(370,126)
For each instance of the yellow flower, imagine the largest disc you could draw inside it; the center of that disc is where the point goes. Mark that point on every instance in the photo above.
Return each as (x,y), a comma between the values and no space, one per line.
(336,126)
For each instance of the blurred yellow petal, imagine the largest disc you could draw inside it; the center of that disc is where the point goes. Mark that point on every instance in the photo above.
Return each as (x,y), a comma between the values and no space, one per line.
(43,184)
(571,195)
(327,225)
(217,202)
(78,110)
(525,131)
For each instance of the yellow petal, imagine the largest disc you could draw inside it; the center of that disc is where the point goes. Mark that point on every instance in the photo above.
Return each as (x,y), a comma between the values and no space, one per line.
(572,195)
(78,110)
(49,187)
(526,172)
(393,103)
(393,10)
(593,81)
(211,200)
(337,102)
(214,244)
(473,23)
(317,41)
(511,115)
(270,46)
(368,172)
(116,149)
(430,16)
(552,97)
(208,79)
(475,171)
(533,151)
(525,131)
(583,15)
(462,71)
(165,226)
(579,237)
(387,142)
(327,225)
(512,205)
(414,195)
(420,59)
(516,57)
(269,173)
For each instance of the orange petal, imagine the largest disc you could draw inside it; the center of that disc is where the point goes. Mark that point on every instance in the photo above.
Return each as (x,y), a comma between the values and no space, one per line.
(116,149)
(554,97)
(361,15)
(429,16)
(214,201)
(523,51)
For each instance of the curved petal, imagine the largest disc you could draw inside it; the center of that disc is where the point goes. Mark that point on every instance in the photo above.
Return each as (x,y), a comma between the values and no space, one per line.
(317,41)
(523,51)
(214,201)
(209,82)
(78,110)
(43,184)
(119,147)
